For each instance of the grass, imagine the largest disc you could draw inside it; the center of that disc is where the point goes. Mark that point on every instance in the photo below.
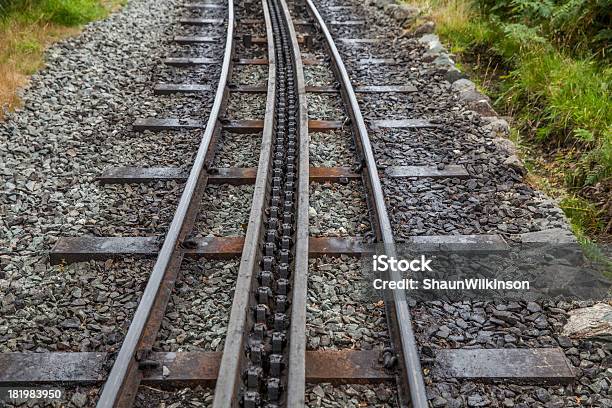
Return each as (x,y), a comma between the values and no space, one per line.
(27,27)
(65,13)
(560,100)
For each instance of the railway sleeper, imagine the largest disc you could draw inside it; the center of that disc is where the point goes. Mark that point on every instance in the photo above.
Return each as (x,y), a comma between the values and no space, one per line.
(80,249)
(535,366)
(247,175)
(256,125)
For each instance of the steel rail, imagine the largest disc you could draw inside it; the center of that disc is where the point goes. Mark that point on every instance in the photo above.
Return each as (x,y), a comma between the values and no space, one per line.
(121,386)
(238,355)
(296,377)
(401,323)
(233,357)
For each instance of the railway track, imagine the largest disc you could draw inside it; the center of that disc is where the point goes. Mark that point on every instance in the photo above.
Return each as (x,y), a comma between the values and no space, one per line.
(266,360)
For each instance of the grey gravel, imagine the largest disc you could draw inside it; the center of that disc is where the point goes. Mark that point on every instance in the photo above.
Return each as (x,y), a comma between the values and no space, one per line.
(153,397)
(308,53)
(204,13)
(225,211)
(318,75)
(128,210)
(428,101)
(254,51)
(325,107)
(180,75)
(237,150)
(192,106)
(422,147)
(338,210)
(208,30)
(474,206)
(256,28)
(174,148)
(78,307)
(246,106)
(250,75)
(332,149)
(351,396)
(207,50)
(197,315)
(342,311)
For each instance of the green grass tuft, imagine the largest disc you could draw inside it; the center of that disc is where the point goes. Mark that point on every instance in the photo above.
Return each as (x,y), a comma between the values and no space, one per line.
(66,13)
(583,215)
(73,12)
(28,46)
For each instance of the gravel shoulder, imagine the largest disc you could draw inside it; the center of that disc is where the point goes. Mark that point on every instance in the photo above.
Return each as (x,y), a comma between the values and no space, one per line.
(76,121)
(79,307)
(493,199)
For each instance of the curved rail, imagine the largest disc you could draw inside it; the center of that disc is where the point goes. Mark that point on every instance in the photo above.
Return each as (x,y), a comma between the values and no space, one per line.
(125,368)
(404,335)
(232,360)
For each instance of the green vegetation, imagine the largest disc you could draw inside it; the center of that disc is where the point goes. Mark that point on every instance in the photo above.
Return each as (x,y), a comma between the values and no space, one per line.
(28,26)
(547,64)
(583,215)
(62,12)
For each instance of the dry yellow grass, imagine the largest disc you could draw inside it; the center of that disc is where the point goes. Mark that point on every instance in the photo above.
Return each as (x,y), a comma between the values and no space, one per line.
(21,54)
(10,81)
(445,13)
(113,5)
(22,48)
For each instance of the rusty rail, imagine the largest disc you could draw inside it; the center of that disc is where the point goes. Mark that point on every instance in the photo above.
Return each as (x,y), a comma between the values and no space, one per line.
(233,357)
(398,313)
(122,384)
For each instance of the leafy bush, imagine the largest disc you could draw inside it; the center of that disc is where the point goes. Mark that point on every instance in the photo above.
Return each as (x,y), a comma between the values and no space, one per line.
(561,96)
(582,26)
